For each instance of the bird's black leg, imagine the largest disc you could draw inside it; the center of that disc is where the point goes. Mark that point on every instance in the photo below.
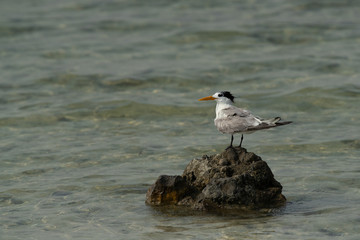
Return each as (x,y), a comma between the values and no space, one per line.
(242,137)
(232,139)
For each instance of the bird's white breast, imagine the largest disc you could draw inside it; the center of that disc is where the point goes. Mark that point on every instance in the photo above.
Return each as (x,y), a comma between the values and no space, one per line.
(219,107)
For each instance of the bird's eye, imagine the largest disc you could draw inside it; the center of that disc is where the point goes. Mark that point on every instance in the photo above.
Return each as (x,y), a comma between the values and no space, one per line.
(220,95)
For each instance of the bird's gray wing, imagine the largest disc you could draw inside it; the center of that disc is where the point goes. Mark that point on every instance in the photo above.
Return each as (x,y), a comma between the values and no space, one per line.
(236,120)
(234,111)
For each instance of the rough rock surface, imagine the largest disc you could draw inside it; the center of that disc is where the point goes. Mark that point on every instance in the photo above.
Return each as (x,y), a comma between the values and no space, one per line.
(233,179)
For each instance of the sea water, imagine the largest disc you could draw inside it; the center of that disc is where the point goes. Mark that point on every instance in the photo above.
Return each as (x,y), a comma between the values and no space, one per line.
(99,98)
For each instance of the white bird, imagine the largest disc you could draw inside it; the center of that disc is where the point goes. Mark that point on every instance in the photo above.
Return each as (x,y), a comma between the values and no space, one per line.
(231,119)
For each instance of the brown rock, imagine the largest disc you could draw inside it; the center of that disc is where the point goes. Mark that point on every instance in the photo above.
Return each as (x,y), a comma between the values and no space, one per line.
(167,190)
(232,179)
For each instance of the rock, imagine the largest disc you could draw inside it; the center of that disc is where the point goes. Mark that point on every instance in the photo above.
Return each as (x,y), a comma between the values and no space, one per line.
(167,190)
(233,179)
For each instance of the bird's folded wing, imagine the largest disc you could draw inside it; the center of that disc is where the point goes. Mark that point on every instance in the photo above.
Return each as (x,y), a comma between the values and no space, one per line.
(241,120)
(234,111)
(236,120)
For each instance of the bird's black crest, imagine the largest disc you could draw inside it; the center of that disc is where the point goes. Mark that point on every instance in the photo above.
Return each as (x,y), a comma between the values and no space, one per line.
(228,95)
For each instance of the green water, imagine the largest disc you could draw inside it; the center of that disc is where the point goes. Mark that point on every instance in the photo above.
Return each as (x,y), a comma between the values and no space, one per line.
(99,98)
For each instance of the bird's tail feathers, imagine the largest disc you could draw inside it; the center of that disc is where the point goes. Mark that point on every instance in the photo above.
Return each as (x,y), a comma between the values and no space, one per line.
(276,122)
(270,123)
(272,120)
(283,123)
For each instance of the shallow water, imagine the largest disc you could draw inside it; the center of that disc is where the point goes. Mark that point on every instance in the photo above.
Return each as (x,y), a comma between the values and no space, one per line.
(99,98)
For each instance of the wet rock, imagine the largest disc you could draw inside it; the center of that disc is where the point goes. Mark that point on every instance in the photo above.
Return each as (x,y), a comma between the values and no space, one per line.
(233,179)
(167,190)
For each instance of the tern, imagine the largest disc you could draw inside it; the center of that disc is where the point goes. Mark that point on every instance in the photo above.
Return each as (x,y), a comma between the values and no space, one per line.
(231,119)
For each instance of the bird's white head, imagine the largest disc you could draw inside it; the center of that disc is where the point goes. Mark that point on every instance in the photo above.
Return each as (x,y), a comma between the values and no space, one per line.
(220,97)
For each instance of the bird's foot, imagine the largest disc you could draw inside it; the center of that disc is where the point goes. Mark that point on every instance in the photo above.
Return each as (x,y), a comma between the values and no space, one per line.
(231,146)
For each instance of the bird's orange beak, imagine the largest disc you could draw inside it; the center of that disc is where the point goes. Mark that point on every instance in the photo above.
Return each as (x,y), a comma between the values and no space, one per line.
(207,98)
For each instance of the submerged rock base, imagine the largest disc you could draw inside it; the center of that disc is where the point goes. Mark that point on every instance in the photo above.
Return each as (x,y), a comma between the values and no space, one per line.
(233,179)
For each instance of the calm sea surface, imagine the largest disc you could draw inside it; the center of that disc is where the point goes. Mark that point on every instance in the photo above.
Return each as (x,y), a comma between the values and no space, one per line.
(99,98)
